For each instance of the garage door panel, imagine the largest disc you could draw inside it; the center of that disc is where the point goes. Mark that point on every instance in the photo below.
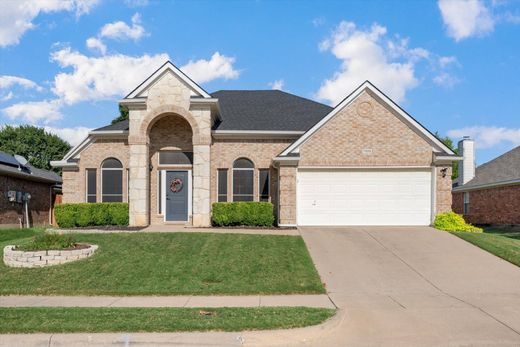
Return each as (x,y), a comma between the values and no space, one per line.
(370,197)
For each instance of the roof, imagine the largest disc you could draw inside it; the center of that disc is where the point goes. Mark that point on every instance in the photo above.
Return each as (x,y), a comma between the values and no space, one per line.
(122,125)
(11,167)
(501,169)
(267,110)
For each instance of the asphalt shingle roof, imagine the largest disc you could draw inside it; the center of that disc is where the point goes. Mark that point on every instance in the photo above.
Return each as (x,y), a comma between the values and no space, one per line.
(260,110)
(29,172)
(267,110)
(503,168)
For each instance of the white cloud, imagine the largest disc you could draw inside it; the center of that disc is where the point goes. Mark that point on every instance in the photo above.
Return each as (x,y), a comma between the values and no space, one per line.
(219,66)
(16,16)
(99,78)
(96,44)
(7,81)
(7,96)
(136,3)
(488,136)
(35,111)
(277,84)
(447,61)
(365,56)
(466,18)
(444,79)
(319,21)
(72,135)
(121,31)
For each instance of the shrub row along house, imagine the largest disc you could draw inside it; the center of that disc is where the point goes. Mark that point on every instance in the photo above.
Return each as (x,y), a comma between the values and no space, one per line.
(28,193)
(364,162)
(489,194)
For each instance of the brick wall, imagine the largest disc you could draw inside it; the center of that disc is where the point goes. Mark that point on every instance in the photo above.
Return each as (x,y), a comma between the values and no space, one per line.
(39,205)
(443,198)
(260,152)
(490,206)
(366,133)
(92,158)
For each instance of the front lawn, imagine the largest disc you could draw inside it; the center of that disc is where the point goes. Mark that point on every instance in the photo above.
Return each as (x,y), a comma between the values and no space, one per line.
(107,319)
(503,242)
(171,264)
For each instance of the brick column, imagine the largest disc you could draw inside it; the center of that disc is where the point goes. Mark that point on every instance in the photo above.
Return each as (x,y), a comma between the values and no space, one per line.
(201,186)
(287,202)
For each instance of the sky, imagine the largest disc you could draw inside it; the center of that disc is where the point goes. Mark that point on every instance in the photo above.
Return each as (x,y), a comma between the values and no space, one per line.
(452,64)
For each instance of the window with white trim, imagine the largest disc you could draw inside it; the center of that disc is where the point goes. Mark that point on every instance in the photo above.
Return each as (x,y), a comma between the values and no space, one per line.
(111,180)
(466,203)
(90,180)
(243,180)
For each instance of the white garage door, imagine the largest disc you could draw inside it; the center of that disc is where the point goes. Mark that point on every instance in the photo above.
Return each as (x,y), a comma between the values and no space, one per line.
(364,197)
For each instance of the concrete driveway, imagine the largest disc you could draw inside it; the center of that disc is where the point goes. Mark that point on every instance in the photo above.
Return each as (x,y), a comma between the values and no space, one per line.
(415,286)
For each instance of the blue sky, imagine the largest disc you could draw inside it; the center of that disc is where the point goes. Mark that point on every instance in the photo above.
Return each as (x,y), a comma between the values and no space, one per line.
(453,65)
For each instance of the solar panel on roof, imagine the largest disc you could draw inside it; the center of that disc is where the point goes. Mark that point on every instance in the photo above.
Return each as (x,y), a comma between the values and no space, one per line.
(8,159)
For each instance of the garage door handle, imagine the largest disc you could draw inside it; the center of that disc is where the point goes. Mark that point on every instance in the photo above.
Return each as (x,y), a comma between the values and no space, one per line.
(314,203)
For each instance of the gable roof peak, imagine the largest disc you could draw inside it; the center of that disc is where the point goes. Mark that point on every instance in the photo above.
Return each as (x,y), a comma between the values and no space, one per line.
(167,66)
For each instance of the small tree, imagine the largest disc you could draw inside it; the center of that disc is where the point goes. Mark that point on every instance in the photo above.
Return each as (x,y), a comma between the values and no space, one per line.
(449,143)
(35,144)
(123,114)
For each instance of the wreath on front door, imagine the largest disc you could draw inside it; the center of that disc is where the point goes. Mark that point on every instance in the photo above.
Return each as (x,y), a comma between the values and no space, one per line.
(176,185)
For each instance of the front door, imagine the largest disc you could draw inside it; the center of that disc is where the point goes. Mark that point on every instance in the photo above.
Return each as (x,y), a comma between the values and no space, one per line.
(176,195)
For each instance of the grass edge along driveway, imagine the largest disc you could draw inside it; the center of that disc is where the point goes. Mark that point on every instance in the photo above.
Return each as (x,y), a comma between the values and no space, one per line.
(504,242)
(171,264)
(108,319)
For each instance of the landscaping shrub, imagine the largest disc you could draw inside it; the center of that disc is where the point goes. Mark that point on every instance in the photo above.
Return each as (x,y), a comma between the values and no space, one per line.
(91,214)
(450,221)
(46,241)
(243,213)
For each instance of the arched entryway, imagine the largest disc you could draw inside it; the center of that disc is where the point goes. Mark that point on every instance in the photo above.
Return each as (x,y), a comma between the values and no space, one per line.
(170,139)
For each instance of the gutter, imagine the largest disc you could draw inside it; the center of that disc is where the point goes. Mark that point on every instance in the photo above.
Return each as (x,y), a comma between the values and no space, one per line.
(256,134)
(487,185)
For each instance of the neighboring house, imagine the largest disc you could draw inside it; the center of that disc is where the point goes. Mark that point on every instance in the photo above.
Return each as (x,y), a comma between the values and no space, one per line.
(22,183)
(364,162)
(491,193)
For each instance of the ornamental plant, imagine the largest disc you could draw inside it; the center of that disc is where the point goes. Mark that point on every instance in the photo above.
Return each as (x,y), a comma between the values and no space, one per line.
(48,241)
(451,221)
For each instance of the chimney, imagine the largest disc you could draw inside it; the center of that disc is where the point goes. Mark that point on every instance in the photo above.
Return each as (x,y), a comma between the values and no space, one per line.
(467,165)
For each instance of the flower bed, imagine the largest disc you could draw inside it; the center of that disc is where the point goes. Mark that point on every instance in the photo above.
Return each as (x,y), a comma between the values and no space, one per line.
(15,258)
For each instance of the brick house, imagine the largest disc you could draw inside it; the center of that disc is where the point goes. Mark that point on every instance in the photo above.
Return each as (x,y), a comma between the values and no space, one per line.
(489,194)
(364,162)
(17,180)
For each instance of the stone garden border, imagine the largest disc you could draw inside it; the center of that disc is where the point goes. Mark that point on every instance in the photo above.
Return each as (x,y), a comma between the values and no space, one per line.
(14,258)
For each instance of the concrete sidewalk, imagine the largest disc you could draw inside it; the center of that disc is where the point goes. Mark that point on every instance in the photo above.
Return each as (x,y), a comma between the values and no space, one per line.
(168,301)
(181,229)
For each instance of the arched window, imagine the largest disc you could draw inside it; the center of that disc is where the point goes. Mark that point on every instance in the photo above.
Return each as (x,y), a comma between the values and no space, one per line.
(111,180)
(243,173)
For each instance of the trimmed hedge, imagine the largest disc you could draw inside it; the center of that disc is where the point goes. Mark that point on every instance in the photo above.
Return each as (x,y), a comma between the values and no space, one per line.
(450,221)
(242,213)
(91,214)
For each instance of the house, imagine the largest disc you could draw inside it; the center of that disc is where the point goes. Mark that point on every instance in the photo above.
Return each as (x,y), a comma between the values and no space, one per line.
(363,162)
(489,194)
(26,192)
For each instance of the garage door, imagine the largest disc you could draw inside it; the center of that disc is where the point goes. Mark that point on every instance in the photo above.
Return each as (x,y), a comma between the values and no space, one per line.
(364,197)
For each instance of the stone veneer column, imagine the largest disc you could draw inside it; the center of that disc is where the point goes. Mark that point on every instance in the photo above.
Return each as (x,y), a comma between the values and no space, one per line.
(443,194)
(287,188)
(138,193)
(201,186)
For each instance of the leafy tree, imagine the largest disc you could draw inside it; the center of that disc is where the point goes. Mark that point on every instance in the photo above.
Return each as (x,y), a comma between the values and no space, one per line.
(123,114)
(449,143)
(35,144)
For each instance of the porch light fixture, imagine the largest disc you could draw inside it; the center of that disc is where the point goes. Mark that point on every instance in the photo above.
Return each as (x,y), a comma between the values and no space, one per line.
(443,172)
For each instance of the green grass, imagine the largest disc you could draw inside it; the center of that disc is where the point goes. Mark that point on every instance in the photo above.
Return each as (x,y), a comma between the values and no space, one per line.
(171,264)
(105,319)
(503,242)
